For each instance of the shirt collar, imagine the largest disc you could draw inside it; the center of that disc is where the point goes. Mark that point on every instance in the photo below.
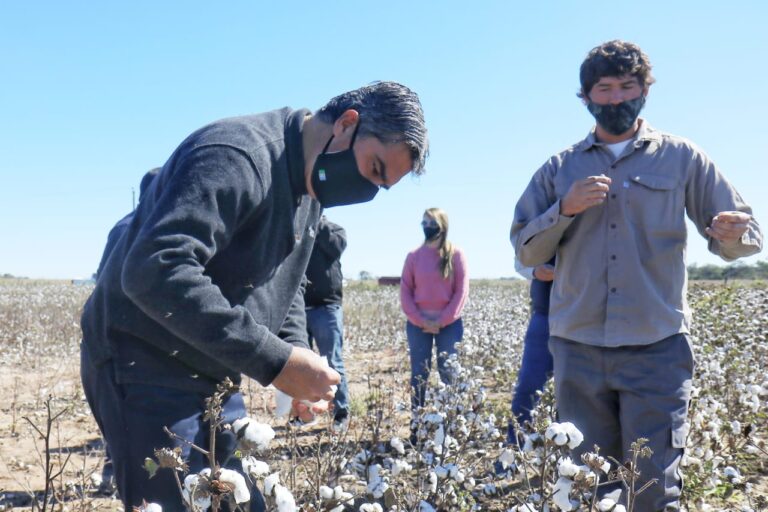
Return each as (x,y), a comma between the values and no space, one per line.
(294,148)
(646,133)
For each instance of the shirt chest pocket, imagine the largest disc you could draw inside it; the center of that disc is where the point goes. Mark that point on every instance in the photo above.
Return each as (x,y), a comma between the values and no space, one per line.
(655,201)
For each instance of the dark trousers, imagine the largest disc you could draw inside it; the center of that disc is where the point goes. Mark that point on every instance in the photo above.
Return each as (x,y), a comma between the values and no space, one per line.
(616,395)
(131,418)
(535,370)
(325,329)
(420,349)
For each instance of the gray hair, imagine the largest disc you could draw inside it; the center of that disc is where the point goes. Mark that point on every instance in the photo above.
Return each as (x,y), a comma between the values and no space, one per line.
(389,111)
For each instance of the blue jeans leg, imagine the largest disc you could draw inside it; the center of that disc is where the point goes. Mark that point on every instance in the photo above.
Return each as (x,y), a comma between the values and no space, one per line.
(420,345)
(446,340)
(420,351)
(131,418)
(535,370)
(325,327)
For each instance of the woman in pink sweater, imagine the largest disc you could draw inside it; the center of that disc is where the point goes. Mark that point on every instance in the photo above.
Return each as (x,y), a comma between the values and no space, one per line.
(433,289)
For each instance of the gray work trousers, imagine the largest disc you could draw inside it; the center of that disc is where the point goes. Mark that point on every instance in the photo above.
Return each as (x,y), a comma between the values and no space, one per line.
(616,395)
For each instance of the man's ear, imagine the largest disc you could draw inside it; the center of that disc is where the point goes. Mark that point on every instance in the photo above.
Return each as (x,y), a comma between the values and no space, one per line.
(346,122)
(584,97)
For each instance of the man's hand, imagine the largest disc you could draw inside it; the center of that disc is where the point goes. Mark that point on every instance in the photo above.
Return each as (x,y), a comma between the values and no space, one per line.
(431,327)
(728,227)
(307,376)
(585,194)
(544,272)
(307,411)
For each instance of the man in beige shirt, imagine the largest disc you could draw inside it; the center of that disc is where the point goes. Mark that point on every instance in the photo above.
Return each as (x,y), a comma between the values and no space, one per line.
(612,209)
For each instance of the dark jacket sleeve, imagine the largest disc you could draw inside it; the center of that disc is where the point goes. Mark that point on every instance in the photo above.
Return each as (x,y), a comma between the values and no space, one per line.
(209,194)
(294,328)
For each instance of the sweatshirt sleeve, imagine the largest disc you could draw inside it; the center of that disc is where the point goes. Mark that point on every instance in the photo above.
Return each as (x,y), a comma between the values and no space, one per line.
(709,193)
(407,290)
(452,311)
(210,193)
(537,226)
(294,328)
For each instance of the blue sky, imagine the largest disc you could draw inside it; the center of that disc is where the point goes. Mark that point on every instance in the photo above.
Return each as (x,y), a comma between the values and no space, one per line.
(93,94)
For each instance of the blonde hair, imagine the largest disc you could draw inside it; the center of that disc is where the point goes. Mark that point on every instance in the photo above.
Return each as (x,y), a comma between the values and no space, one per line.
(444,247)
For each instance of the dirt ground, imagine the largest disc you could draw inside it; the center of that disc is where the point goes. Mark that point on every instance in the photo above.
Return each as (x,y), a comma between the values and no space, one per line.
(74,438)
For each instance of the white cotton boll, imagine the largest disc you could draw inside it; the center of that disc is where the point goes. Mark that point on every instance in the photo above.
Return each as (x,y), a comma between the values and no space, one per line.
(237,481)
(194,493)
(337,508)
(283,404)
(150,507)
(254,467)
(439,439)
(575,437)
(398,466)
(606,505)
(557,434)
(326,493)
(507,458)
(732,474)
(337,492)
(433,418)
(525,507)
(489,489)
(441,472)
(370,507)
(254,434)
(736,427)
(270,482)
(432,481)
(347,498)
(96,479)
(284,499)
(567,468)
(561,494)
(397,445)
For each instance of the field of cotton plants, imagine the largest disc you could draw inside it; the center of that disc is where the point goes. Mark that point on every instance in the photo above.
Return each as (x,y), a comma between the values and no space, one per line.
(51,454)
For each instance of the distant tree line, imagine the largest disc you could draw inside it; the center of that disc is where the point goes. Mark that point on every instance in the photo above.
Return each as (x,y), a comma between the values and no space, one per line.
(734,271)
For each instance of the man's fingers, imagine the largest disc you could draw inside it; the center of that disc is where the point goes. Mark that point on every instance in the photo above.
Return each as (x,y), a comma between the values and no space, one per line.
(737,217)
(598,179)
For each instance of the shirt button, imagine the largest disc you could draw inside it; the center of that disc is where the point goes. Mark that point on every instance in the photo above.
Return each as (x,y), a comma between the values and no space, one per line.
(613,290)
(613,196)
(613,166)
(613,226)
(613,256)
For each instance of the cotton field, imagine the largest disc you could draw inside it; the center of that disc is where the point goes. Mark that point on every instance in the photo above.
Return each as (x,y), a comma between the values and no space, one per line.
(51,456)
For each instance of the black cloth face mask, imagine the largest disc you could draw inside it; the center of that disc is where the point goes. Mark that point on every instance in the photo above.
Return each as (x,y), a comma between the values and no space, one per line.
(336,179)
(617,119)
(431,232)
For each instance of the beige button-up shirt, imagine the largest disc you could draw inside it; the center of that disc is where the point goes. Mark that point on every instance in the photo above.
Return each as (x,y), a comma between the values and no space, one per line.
(621,275)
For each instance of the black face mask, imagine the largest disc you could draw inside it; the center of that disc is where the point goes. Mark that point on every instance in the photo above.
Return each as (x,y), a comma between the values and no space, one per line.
(431,232)
(336,179)
(617,119)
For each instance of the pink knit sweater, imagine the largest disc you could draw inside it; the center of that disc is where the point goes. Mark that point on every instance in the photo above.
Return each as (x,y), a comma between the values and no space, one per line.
(425,294)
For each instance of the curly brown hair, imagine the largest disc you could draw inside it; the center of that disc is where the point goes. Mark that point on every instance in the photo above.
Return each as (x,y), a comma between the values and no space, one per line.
(614,58)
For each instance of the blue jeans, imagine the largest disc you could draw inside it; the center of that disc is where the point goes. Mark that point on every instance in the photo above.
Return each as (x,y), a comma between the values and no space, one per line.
(420,344)
(325,328)
(535,370)
(131,418)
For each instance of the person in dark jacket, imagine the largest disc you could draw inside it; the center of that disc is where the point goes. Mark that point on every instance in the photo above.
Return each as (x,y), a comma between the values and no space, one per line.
(119,228)
(107,484)
(206,282)
(325,318)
